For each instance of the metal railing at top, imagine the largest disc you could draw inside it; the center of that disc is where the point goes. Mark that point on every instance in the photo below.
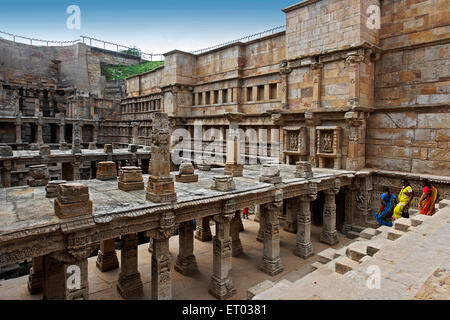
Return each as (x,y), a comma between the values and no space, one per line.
(243,39)
(93,42)
(120,48)
(37,41)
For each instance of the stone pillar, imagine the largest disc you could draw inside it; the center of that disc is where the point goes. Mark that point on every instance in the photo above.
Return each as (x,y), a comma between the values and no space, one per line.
(356,155)
(235,226)
(19,128)
(129,283)
(6,173)
(271,261)
(161,278)
(39,124)
(62,138)
(316,69)
(303,245)
(186,263)
(65,279)
(290,225)
(107,258)
(350,207)
(284,96)
(160,186)
(76,170)
(329,233)
(311,122)
(233,166)
(203,232)
(36,277)
(262,224)
(221,285)
(76,138)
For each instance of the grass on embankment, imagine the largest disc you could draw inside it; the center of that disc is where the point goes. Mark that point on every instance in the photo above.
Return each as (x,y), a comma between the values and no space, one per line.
(122,72)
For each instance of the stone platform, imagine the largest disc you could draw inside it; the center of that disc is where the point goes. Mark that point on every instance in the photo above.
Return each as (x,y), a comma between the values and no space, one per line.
(102,286)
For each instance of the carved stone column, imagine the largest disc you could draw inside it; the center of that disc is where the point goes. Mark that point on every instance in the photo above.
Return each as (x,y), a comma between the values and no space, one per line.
(350,206)
(36,277)
(329,233)
(284,90)
(129,279)
(6,173)
(262,224)
(290,225)
(76,138)
(107,258)
(19,128)
(234,163)
(303,245)
(76,169)
(65,278)
(39,125)
(221,285)
(356,155)
(161,282)
(271,261)
(203,232)
(354,61)
(160,186)
(316,69)
(235,226)
(311,122)
(186,263)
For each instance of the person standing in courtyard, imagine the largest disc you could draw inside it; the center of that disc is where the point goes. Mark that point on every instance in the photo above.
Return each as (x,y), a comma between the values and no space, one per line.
(384,214)
(245,213)
(405,199)
(428,199)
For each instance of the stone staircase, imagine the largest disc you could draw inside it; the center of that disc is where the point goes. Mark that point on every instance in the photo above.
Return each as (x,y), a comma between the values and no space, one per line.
(347,267)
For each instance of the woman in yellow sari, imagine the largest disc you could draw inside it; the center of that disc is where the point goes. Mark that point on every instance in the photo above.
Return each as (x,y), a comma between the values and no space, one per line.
(428,198)
(404,201)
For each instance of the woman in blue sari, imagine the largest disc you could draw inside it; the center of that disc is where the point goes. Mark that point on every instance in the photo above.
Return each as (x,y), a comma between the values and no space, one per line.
(384,214)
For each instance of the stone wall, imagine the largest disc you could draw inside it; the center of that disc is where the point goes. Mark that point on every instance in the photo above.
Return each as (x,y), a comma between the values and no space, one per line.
(410,129)
(314,26)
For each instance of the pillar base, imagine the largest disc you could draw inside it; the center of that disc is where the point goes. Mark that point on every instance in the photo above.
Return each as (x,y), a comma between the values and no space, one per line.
(107,261)
(186,265)
(304,250)
(236,248)
(271,267)
(222,288)
(130,285)
(235,170)
(330,238)
(162,198)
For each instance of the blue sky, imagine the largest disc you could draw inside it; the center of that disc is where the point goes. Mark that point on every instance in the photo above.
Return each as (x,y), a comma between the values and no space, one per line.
(153,26)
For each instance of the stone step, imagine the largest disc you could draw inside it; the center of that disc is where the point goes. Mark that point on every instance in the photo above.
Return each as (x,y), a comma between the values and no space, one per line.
(402,224)
(369,233)
(327,255)
(374,246)
(443,203)
(316,265)
(394,234)
(352,234)
(299,273)
(276,290)
(357,228)
(384,229)
(259,288)
(357,250)
(413,212)
(340,252)
(344,265)
(418,220)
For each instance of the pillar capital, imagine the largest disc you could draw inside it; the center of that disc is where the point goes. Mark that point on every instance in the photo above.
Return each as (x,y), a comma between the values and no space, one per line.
(334,190)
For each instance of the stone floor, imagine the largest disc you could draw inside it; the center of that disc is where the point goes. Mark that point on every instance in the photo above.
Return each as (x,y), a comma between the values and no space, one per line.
(102,286)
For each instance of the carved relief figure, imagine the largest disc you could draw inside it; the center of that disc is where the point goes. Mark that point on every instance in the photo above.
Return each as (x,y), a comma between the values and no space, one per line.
(293,141)
(327,142)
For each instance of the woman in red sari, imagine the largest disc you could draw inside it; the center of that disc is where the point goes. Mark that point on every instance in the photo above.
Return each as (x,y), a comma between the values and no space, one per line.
(428,199)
